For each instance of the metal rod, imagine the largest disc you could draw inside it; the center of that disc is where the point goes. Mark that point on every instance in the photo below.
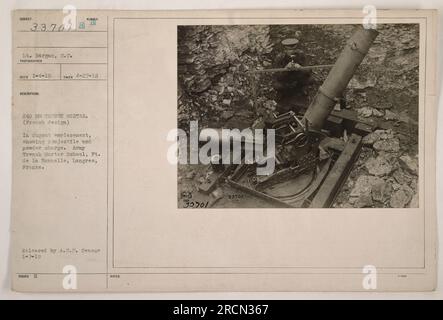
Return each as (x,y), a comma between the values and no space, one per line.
(319,66)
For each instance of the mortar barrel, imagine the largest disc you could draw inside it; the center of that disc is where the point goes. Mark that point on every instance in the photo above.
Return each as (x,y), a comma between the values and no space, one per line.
(338,78)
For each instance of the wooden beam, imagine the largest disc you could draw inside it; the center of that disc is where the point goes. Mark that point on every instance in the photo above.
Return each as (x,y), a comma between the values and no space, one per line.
(338,174)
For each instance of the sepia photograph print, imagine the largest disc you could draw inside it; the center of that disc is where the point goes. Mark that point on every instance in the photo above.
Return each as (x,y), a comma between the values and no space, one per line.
(303,116)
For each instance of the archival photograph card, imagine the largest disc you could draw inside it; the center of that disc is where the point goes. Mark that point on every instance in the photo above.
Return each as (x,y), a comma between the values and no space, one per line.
(246,150)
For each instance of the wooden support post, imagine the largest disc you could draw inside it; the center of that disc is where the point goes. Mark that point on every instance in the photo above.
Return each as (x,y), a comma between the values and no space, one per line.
(338,174)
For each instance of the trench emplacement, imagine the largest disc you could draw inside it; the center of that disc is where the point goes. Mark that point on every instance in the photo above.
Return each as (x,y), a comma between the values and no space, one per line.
(315,150)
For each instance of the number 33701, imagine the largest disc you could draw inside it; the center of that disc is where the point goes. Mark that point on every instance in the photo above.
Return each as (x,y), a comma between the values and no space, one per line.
(43,27)
(195,204)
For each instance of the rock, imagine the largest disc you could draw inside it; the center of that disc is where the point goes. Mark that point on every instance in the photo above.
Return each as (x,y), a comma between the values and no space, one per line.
(217,193)
(401,177)
(358,84)
(364,201)
(363,185)
(208,174)
(414,185)
(401,197)
(227,115)
(270,105)
(377,113)
(385,134)
(404,141)
(227,102)
(384,105)
(365,112)
(389,115)
(404,117)
(190,175)
(371,138)
(201,85)
(408,189)
(220,89)
(408,163)
(379,166)
(414,201)
(381,191)
(378,54)
(390,145)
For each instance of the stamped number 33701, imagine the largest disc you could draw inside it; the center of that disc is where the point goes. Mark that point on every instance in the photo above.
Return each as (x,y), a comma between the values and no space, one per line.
(188,202)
